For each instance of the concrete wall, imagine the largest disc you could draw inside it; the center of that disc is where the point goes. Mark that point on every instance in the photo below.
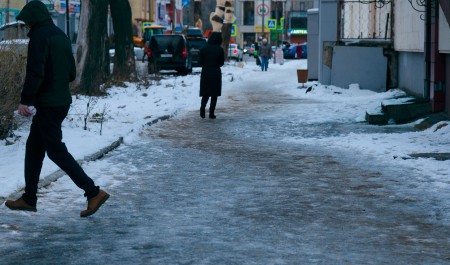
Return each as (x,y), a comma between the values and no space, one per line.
(313,44)
(444,34)
(409,32)
(328,17)
(411,72)
(447,84)
(366,66)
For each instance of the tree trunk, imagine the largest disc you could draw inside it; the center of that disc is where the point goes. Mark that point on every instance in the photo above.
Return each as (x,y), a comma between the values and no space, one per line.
(124,63)
(198,14)
(226,36)
(92,57)
(227,24)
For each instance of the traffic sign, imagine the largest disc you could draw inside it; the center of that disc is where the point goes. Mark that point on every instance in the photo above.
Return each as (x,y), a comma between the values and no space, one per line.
(272,24)
(233,30)
(262,10)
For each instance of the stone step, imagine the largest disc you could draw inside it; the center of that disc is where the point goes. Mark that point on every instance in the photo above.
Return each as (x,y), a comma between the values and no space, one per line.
(399,110)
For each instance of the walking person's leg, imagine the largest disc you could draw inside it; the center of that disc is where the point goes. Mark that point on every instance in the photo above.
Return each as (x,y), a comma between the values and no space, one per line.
(50,120)
(212,107)
(34,155)
(47,129)
(203,106)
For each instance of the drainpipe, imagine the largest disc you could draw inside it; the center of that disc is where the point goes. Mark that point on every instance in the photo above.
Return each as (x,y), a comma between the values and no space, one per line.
(434,61)
(426,91)
(7,12)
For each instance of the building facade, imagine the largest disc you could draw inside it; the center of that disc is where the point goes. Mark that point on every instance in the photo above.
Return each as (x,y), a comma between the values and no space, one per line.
(276,20)
(391,44)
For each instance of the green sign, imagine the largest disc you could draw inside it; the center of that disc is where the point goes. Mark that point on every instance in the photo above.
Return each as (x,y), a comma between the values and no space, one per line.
(271,24)
(281,23)
(233,30)
(146,24)
(298,31)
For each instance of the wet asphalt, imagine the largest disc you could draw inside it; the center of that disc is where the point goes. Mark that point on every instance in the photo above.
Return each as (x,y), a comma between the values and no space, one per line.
(234,191)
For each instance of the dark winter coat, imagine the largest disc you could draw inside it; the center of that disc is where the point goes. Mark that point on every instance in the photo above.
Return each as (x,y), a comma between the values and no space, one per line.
(265,50)
(50,62)
(211,59)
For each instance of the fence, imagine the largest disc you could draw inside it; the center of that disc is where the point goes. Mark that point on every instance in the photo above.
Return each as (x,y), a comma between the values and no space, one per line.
(368,20)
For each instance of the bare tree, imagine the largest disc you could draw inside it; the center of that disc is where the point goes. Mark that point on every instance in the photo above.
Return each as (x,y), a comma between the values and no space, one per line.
(124,63)
(198,14)
(92,57)
(227,24)
(221,20)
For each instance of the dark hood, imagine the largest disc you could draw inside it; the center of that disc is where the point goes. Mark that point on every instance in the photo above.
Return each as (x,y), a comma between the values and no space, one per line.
(215,38)
(33,13)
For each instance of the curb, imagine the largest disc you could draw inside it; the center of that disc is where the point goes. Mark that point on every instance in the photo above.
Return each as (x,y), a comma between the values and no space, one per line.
(45,181)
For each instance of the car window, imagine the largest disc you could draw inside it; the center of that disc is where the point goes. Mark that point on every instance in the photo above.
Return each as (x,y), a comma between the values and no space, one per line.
(169,43)
(198,43)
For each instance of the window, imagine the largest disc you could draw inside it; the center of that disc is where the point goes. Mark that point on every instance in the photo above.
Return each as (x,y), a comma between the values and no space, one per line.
(249,13)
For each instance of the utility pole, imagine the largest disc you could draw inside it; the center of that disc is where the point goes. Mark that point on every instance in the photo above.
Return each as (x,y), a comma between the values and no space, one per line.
(263,15)
(67,19)
(7,12)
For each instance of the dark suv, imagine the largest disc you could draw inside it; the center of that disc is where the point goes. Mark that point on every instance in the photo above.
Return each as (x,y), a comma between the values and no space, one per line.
(195,45)
(169,52)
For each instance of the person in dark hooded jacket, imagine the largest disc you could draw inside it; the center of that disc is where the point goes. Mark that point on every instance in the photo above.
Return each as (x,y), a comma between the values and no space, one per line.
(211,58)
(50,69)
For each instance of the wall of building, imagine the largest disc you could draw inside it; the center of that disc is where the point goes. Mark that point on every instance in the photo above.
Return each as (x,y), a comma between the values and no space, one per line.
(444,33)
(411,73)
(351,66)
(313,44)
(447,84)
(409,33)
(327,37)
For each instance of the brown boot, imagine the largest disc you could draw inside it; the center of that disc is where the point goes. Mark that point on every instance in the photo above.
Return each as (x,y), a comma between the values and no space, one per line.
(20,205)
(95,203)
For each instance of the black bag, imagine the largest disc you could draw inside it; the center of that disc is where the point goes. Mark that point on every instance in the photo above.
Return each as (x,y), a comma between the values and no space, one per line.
(258,61)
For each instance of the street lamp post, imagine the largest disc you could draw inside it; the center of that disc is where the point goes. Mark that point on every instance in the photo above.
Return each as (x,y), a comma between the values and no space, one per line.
(263,15)
(67,19)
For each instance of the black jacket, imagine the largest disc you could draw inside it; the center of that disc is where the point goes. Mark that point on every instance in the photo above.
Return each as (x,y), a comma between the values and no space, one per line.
(50,62)
(211,58)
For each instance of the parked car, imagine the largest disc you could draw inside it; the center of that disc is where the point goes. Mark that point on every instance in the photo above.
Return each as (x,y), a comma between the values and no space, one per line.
(296,51)
(252,49)
(194,33)
(290,52)
(195,44)
(234,52)
(246,50)
(169,52)
(304,53)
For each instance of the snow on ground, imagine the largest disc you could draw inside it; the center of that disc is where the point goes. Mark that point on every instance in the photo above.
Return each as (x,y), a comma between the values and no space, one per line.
(127,110)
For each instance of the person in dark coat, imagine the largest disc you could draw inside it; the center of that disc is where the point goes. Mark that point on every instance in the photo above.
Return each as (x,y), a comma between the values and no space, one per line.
(211,59)
(50,68)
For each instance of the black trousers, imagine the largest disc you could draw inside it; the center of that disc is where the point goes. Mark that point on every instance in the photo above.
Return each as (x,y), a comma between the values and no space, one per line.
(212,105)
(46,137)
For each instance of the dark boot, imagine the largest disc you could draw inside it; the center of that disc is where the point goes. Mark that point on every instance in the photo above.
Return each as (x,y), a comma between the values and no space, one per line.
(212,107)
(202,112)
(203,106)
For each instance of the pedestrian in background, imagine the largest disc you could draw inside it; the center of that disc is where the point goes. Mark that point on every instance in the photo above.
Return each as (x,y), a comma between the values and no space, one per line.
(211,59)
(50,69)
(265,53)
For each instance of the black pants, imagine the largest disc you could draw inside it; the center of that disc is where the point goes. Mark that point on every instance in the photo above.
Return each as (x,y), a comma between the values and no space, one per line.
(46,136)
(212,105)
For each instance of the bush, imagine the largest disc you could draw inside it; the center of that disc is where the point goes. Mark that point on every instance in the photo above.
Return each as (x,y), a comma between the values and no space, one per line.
(12,74)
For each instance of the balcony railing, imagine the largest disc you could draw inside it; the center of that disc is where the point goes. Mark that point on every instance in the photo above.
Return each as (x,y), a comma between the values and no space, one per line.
(365,20)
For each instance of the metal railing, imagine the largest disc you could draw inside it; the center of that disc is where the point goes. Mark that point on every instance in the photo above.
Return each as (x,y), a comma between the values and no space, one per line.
(365,20)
